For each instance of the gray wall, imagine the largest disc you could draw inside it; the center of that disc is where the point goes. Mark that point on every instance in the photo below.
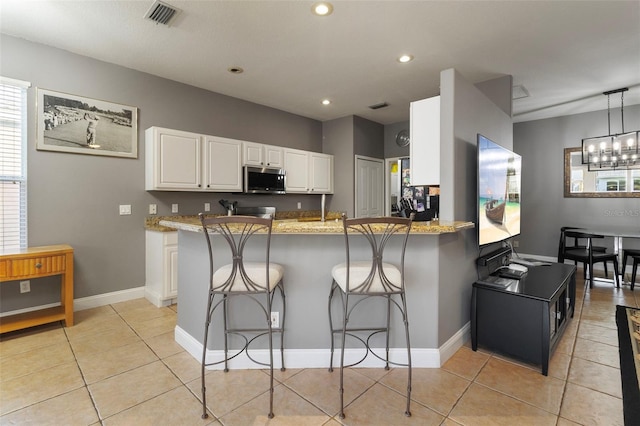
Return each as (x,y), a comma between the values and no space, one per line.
(391,149)
(74,198)
(368,138)
(544,208)
(338,141)
(465,111)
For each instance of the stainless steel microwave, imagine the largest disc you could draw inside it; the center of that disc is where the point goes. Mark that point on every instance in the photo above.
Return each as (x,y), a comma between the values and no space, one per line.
(263,180)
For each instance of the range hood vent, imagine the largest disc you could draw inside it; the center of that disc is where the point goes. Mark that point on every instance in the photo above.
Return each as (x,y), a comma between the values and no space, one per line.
(162,13)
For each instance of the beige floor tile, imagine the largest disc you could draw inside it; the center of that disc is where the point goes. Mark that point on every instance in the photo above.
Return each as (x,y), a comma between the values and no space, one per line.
(145,313)
(383,406)
(282,376)
(288,409)
(126,390)
(372,373)
(28,339)
(559,365)
(96,324)
(466,363)
(588,407)
(228,391)
(23,391)
(597,352)
(565,422)
(73,408)
(566,343)
(176,407)
(321,387)
(183,365)
(164,345)
(432,387)
(155,326)
(483,406)
(35,360)
(103,341)
(598,333)
(524,384)
(596,376)
(130,305)
(101,365)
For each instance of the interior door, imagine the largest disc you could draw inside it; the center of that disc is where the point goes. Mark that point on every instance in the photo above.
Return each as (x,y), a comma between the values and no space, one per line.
(369,187)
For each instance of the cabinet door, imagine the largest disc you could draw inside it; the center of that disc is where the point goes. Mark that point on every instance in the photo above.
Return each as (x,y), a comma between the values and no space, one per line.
(273,156)
(253,154)
(425,141)
(222,164)
(171,271)
(297,169)
(320,173)
(173,160)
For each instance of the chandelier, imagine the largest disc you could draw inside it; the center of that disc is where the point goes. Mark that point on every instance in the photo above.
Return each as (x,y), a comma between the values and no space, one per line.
(613,151)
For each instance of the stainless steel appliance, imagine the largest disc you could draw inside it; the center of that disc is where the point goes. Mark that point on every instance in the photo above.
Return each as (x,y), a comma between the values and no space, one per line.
(264,180)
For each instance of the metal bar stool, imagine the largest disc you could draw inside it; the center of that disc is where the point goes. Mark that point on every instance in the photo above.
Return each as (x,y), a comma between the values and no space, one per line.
(254,281)
(357,281)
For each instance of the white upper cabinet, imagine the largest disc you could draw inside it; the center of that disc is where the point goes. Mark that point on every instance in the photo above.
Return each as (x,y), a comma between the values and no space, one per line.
(222,164)
(172,160)
(425,141)
(257,154)
(184,161)
(308,172)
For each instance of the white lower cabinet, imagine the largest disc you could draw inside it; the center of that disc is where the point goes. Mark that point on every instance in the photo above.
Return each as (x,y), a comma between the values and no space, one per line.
(308,172)
(161,267)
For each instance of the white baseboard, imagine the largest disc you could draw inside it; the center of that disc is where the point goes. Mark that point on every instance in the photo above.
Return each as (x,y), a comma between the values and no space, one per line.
(319,358)
(157,300)
(108,298)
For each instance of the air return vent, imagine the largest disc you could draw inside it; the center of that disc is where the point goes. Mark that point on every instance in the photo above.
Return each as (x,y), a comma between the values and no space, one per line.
(162,13)
(378,106)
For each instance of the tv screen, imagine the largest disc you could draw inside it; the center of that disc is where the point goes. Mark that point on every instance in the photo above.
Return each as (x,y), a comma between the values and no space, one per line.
(499,179)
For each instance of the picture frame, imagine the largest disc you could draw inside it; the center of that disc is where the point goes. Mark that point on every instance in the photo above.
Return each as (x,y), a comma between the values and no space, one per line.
(81,125)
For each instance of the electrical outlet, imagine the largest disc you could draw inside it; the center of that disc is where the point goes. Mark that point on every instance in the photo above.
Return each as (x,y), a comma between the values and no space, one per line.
(299,205)
(275,319)
(153,209)
(516,243)
(125,209)
(25,287)
(207,207)
(174,208)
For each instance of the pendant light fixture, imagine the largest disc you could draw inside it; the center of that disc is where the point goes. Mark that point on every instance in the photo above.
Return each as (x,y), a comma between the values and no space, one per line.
(615,150)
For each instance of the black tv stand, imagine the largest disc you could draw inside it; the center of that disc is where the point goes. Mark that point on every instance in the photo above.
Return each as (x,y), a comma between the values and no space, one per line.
(526,318)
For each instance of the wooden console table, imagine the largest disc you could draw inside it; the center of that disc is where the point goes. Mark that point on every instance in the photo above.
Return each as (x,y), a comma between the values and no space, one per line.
(37,262)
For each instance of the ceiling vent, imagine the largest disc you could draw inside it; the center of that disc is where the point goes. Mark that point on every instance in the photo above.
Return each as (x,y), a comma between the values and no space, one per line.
(378,106)
(162,13)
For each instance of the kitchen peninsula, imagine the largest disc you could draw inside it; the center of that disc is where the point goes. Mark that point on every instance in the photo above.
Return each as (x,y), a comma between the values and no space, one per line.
(308,251)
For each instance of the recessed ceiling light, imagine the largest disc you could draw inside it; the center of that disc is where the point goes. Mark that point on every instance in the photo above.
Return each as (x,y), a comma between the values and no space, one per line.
(326,102)
(235,70)
(405,58)
(322,8)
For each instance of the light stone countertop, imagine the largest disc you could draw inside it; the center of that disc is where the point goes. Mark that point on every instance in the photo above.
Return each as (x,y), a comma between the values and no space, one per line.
(331,226)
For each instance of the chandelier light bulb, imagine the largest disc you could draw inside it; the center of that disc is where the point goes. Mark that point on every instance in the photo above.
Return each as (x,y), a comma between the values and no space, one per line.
(630,142)
(634,157)
(614,159)
(616,146)
(591,148)
(596,159)
(603,146)
(604,158)
(625,157)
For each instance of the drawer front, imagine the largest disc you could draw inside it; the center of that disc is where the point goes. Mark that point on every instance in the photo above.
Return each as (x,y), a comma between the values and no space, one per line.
(36,266)
(5,265)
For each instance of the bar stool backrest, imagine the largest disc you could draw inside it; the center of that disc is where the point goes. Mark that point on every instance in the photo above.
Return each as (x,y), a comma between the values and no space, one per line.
(237,231)
(377,231)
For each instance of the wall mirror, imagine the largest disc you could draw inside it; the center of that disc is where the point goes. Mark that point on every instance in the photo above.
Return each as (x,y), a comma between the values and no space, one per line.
(580,182)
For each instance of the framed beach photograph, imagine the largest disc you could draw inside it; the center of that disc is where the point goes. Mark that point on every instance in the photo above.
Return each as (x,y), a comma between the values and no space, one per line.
(79,125)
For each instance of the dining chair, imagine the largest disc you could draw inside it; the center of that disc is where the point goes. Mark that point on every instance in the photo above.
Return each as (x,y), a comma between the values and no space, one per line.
(373,270)
(587,255)
(249,275)
(635,255)
(575,244)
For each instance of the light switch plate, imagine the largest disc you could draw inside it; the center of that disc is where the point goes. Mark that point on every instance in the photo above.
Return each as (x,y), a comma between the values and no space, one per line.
(174,208)
(153,209)
(207,207)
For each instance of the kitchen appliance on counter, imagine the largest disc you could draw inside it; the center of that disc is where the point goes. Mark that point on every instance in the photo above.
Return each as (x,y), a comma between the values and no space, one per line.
(263,180)
(264,212)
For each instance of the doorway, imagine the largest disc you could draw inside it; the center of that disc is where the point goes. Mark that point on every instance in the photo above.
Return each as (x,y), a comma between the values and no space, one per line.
(369,187)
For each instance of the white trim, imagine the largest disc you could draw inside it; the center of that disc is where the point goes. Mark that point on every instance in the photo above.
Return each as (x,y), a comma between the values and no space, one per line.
(14,82)
(108,298)
(319,358)
(158,300)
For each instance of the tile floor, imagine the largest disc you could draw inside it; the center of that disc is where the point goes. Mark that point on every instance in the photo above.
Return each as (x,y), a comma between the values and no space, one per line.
(119,365)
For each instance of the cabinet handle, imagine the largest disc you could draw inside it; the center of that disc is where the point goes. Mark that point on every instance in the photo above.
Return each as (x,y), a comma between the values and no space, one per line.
(38,265)
(199,186)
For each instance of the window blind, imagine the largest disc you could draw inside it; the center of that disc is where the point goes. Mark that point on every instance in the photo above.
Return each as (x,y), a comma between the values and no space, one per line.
(13,162)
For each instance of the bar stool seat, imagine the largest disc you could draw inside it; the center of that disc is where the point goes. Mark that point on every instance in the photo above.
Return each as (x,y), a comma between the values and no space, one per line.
(255,281)
(356,281)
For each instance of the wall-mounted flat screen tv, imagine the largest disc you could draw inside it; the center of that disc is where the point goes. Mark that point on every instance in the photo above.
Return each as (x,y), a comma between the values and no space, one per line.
(499,182)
